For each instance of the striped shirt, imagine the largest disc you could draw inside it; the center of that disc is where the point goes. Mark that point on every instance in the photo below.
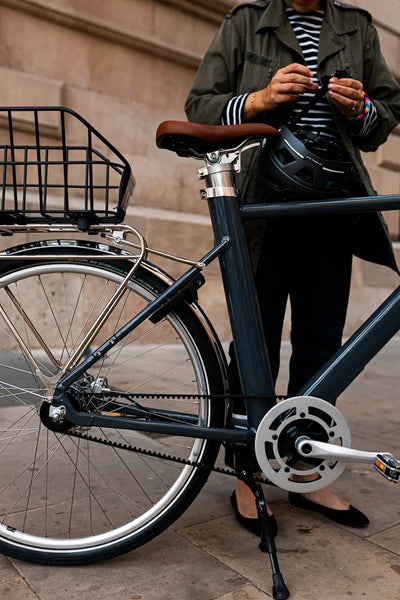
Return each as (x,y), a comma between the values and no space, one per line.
(307,28)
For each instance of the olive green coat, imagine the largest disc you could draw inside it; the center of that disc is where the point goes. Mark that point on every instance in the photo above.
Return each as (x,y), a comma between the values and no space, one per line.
(253,43)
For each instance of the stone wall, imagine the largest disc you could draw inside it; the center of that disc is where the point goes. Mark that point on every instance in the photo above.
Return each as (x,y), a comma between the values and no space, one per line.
(127,65)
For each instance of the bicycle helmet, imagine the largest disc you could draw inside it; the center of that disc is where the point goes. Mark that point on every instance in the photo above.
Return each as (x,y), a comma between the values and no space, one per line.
(306,165)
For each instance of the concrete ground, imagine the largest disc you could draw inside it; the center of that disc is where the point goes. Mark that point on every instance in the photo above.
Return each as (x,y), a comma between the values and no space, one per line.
(205,555)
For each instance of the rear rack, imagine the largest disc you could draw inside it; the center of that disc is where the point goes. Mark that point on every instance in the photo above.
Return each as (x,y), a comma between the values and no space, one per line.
(65,172)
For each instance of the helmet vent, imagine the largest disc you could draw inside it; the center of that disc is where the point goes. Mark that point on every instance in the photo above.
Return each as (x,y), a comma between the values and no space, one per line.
(331,185)
(284,157)
(305,175)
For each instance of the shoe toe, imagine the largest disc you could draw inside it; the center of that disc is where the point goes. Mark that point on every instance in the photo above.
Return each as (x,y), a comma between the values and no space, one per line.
(358,518)
(351,517)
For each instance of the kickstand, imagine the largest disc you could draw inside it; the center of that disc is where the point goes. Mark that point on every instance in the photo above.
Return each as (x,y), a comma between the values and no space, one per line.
(267,544)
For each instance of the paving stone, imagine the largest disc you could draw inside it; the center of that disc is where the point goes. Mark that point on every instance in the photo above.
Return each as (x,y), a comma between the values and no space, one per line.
(247,592)
(15,588)
(318,560)
(12,584)
(388,539)
(170,567)
(7,570)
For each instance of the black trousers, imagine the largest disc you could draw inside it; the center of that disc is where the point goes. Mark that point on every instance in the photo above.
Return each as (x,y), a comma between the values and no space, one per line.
(308,261)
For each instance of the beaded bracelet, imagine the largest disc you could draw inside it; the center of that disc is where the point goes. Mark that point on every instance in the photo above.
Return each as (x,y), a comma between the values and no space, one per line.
(365,111)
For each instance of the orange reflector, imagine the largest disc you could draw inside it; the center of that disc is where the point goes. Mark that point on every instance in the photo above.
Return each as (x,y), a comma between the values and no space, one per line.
(380,465)
(113,414)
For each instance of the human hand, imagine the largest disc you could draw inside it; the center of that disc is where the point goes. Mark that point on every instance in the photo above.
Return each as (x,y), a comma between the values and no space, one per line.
(286,86)
(347,95)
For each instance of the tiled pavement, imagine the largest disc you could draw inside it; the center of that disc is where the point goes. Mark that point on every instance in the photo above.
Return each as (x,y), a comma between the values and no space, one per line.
(207,556)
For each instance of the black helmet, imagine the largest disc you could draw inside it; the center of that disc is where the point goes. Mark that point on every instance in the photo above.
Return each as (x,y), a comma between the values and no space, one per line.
(306,165)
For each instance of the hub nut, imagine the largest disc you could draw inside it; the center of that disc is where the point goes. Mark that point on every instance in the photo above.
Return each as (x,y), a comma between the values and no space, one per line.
(57,413)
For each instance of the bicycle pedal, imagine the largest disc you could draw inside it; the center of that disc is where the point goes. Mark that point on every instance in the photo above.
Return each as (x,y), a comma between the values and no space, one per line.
(388,466)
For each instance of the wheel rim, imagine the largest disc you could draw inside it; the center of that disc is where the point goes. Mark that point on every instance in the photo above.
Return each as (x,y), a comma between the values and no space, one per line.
(53,480)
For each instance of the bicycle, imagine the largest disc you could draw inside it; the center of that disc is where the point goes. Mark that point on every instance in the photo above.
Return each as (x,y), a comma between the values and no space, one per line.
(114,398)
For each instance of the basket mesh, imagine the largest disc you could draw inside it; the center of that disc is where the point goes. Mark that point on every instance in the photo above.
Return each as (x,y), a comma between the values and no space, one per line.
(65,172)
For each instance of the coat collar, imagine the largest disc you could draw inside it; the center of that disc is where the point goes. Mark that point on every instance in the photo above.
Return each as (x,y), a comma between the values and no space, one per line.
(337,22)
(274,16)
(340,18)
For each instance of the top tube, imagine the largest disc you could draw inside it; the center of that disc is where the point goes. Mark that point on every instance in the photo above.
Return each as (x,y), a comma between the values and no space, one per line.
(317,207)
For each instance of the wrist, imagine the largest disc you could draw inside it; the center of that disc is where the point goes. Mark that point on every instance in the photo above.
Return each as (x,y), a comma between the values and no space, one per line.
(253,104)
(365,110)
(252,109)
(257,103)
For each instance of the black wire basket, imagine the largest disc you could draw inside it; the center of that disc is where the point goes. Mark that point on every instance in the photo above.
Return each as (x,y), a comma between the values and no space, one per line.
(56,168)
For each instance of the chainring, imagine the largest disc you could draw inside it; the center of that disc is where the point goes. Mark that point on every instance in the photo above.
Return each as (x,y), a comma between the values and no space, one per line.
(283,425)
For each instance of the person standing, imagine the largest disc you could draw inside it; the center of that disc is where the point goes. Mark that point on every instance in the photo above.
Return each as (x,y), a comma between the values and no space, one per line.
(266,64)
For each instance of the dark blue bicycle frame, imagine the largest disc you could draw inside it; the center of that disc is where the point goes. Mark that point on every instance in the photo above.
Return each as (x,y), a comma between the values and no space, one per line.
(353,356)
(228,218)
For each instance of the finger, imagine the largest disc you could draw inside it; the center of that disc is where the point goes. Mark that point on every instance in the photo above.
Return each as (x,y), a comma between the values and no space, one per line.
(293,88)
(284,95)
(298,79)
(297,68)
(346,92)
(343,100)
(344,104)
(349,83)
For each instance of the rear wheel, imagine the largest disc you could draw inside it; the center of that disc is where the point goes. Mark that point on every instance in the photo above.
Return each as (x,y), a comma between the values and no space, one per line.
(69,500)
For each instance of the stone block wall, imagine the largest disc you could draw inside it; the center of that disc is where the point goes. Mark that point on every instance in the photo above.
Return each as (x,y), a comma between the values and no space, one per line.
(127,65)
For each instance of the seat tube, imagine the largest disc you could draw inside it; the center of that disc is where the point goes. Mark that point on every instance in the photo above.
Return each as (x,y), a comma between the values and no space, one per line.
(238,281)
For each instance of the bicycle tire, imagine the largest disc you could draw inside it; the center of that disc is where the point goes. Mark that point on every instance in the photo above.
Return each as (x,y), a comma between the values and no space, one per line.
(67,502)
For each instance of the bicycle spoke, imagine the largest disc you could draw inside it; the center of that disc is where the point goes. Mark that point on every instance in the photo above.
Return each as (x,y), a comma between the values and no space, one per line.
(13,389)
(69,333)
(29,486)
(160,374)
(32,478)
(55,320)
(57,486)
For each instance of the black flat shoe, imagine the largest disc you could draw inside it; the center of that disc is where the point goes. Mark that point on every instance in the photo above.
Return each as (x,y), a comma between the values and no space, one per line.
(252,525)
(351,517)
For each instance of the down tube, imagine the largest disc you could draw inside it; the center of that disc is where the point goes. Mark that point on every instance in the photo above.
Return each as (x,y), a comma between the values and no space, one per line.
(334,377)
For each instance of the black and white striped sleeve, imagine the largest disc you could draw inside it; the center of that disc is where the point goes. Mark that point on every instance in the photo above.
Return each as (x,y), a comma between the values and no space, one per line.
(233,113)
(366,126)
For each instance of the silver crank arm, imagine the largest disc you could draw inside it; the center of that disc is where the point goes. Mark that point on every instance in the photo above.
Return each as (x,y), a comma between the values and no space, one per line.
(384,462)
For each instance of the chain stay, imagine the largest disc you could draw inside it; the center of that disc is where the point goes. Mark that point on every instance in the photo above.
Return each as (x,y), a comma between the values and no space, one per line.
(134,397)
(151,453)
